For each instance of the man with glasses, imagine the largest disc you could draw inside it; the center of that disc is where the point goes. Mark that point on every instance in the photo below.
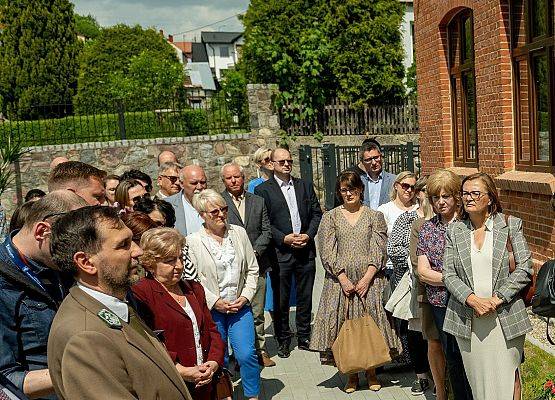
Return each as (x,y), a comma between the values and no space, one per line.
(377,182)
(295,215)
(193,181)
(83,179)
(168,180)
(31,290)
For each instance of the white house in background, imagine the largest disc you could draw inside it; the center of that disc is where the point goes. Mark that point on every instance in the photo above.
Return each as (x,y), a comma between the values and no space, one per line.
(407,31)
(223,50)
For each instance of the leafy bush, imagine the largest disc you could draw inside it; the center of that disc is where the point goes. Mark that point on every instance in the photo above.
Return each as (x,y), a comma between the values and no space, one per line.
(105,127)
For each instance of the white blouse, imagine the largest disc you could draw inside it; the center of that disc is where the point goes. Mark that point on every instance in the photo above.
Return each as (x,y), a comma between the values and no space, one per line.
(196,332)
(227,267)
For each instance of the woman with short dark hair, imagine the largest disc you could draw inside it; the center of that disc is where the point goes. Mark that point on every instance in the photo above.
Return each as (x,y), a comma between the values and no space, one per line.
(352,242)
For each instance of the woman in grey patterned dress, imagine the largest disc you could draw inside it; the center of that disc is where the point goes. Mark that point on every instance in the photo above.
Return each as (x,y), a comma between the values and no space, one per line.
(352,243)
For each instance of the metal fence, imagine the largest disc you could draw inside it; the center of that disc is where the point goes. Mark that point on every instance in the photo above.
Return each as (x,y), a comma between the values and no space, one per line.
(322,164)
(62,123)
(338,118)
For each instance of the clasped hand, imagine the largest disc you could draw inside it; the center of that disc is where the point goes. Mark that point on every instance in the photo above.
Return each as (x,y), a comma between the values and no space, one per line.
(226,307)
(296,240)
(349,288)
(483,305)
(200,375)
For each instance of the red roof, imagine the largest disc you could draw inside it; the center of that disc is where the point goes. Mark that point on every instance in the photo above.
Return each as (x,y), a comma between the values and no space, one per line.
(185,47)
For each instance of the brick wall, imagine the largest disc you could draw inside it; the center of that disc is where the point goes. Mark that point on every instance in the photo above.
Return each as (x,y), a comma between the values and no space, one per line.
(524,194)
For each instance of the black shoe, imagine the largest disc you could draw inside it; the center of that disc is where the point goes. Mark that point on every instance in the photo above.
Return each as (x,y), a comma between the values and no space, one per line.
(419,386)
(283,350)
(303,344)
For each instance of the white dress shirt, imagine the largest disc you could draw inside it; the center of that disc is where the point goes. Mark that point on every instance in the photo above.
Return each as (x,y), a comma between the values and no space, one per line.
(288,191)
(193,220)
(112,303)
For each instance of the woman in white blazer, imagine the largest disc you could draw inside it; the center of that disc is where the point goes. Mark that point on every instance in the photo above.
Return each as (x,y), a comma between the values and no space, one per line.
(228,270)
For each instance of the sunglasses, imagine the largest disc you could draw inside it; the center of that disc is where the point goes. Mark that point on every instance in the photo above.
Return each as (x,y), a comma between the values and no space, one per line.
(172,179)
(215,212)
(282,162)
(406,187)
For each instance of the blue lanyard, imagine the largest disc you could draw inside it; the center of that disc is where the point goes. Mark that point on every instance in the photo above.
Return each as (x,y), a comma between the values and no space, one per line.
(23,267)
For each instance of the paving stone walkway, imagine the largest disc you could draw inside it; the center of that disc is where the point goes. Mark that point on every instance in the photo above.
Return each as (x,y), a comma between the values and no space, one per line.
(301,377)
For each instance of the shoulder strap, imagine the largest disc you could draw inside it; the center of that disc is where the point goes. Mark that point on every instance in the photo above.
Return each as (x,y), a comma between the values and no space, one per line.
(512,262)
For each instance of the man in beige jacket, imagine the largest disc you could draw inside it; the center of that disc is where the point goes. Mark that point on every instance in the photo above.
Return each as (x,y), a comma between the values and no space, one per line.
(98,348)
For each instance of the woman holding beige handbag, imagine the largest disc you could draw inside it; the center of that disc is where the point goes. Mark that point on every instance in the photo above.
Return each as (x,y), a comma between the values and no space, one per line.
(352,244)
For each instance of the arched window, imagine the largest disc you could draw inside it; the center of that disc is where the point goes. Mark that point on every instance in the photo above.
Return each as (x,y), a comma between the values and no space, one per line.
(460,38)
(532,42)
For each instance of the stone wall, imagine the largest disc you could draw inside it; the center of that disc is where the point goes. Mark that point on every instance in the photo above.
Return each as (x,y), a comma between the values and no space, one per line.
(211,152)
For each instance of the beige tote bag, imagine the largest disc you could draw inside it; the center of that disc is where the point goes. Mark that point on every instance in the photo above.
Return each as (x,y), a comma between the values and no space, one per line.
(360,344)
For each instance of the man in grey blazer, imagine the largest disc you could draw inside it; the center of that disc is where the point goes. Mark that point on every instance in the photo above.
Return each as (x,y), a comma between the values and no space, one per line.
(193,181)
(249,211)
(377,182)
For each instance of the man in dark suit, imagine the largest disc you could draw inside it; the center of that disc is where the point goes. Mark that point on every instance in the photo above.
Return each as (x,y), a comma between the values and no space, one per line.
(249,211)
(295,214)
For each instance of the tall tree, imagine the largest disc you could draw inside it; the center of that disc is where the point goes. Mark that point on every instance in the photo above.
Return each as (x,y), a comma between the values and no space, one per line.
(87,26)
(106,61)
(38,55)
(319,49)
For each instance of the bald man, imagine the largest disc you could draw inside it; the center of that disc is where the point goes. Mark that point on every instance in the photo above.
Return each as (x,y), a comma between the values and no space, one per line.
(187,219)
(57,161)
(167,157)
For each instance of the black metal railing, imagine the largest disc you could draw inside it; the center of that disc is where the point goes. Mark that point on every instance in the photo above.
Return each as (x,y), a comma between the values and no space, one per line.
(322,164)
(64,123)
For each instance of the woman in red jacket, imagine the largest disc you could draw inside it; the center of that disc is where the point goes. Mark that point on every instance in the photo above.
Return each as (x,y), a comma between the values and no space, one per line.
(178,308)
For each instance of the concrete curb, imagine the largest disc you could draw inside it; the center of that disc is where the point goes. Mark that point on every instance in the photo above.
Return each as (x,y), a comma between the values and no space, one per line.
(547,348)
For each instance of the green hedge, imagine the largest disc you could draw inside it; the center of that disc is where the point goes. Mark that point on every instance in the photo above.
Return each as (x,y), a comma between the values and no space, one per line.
(105,127)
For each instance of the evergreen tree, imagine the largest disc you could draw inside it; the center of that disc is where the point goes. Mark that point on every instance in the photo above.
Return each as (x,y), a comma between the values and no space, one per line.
(105,64)
(38,55)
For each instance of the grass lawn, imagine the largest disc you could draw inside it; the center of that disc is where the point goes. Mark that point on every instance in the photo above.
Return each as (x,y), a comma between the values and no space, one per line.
(535,369)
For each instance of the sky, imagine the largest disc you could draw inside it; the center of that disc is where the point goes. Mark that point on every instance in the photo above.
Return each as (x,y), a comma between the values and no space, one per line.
(173,16)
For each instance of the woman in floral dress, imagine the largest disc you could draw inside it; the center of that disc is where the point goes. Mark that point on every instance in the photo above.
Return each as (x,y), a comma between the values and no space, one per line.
(352,243)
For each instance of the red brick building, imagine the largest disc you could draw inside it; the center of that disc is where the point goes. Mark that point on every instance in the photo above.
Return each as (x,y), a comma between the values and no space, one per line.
(486,101)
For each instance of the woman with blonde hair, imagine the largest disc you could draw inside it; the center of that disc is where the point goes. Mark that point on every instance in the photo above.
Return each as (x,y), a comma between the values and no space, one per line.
(485,311)
(263,162)
(178,308)
(228,271)
(443,189)
(398,248)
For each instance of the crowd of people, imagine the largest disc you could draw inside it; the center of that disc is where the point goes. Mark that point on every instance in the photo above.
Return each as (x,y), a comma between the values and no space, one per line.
(109,290)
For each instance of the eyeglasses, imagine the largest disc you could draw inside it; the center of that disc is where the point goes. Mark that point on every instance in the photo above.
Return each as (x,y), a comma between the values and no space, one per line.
(370,159)
(172,179)
(215,212)
(474,195)
(266,160)
(345,190)
(406,187)
(282,162)
(57,214)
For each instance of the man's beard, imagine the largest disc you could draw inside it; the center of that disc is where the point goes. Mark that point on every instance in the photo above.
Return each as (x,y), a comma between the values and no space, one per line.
(117,284)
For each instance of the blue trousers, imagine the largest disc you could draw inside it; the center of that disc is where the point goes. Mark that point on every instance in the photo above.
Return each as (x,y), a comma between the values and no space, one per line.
(239,329)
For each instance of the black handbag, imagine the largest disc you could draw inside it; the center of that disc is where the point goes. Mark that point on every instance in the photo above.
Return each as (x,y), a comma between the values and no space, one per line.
(543,302)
